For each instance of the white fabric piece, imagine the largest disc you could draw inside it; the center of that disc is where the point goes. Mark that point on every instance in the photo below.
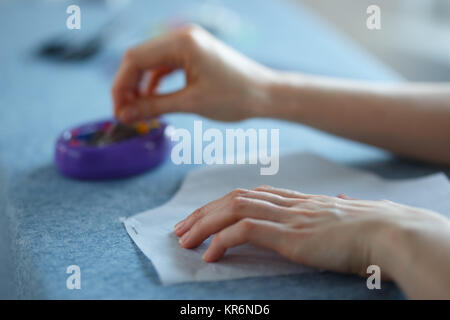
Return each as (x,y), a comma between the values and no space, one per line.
(152,231)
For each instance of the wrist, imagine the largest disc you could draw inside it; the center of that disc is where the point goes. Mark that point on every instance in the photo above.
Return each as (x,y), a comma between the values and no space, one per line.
(260,99)
(390,250)
(283,96)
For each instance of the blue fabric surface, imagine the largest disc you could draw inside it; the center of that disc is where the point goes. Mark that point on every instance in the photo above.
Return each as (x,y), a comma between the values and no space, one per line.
(48,222)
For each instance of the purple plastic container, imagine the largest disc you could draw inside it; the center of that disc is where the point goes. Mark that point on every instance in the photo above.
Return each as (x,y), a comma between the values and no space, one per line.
(116,160)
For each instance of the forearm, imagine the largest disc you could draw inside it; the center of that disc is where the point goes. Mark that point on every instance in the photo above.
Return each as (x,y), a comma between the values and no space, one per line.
(411,120)
(417,257)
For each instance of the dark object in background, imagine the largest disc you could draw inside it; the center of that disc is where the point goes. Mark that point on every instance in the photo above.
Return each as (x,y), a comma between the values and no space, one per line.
(74,46)
(66,50)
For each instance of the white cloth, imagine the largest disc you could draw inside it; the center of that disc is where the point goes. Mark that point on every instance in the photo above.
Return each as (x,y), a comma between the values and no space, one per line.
(152,231)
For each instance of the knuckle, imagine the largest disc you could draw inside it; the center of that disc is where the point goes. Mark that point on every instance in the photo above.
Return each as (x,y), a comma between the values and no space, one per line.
(187,38)
(217,239)
(186,35)
(238,204)
(247,225)
(129,56)
(263,187)
(197,214)
(237,192)
(190,29)
(198,225)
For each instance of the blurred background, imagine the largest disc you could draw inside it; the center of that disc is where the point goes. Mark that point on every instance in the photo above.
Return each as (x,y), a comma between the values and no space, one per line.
(414,38)
(412,41)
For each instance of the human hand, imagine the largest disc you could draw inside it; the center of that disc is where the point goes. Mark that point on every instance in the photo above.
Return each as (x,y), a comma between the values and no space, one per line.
(220,83)
(333,233)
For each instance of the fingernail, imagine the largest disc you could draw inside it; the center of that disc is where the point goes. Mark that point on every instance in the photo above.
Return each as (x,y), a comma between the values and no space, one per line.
(179,225)
(184,238)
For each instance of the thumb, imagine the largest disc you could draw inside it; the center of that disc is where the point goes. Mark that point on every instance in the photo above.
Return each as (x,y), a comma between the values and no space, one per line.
(155,105)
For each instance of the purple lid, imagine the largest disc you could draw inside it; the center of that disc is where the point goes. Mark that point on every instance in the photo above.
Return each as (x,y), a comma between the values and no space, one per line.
(111,161)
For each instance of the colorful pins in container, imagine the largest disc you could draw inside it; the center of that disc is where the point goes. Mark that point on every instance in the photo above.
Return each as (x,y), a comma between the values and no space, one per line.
(108,149)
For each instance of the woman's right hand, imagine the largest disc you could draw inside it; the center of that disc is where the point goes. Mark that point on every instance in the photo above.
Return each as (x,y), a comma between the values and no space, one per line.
(410,245)
(221,84)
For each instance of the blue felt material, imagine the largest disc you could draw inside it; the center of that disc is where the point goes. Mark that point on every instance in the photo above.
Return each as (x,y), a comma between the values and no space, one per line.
(48,222)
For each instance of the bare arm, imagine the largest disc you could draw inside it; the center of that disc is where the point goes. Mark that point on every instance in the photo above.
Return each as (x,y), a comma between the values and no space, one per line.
(408,119)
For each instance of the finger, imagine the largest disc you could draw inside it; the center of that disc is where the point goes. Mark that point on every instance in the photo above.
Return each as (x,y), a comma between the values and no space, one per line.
(187,223)
(155,79)
(283,192)
(156,105)
(270,197)
(129,89)
(265,234)
(239,208)
(184,225)
(152,54)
